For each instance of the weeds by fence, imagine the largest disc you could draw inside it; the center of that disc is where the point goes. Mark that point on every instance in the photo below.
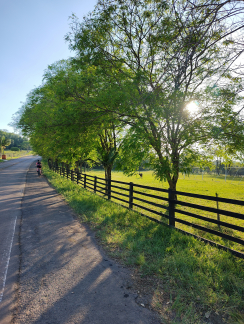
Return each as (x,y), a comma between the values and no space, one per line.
(160,207)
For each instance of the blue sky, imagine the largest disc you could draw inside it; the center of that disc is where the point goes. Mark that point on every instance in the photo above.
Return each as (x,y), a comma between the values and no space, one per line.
(32,37)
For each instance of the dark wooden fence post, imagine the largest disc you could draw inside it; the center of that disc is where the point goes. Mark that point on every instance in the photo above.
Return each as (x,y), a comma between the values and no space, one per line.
(84,180)
(218,218)
(95,184)
(109,188)
(72,175)
(131,196)
(171,208)
(60,170)
(77,177)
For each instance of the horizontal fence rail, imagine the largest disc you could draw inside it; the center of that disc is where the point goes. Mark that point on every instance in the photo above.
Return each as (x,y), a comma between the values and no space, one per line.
(160,206)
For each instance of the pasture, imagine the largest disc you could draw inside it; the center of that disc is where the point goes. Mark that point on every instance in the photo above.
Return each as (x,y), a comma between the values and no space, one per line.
(232,188)
(15,154)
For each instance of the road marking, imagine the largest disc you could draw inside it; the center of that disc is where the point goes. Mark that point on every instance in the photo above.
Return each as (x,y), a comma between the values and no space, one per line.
(7,264)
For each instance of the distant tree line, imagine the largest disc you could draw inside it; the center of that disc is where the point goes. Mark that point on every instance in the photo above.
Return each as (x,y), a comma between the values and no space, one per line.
(12,141)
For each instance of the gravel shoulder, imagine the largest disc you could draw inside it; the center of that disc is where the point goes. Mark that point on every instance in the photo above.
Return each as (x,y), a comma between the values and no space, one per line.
(65,276)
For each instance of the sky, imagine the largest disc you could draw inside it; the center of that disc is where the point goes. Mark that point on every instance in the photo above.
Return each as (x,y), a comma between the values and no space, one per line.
(31,38)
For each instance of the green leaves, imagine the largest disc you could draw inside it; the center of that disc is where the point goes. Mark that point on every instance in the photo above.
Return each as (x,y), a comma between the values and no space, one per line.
(4,142)
(125,94)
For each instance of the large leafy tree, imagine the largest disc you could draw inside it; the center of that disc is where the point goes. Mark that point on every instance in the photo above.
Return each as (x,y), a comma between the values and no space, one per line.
(158,57)
(63,121)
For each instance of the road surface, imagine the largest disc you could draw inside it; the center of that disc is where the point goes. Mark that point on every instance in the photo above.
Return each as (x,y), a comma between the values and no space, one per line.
(12,185)
(64,276)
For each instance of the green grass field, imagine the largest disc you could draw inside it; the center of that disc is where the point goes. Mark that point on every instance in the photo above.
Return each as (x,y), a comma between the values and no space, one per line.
(197,283)
(15,154)
(232,188)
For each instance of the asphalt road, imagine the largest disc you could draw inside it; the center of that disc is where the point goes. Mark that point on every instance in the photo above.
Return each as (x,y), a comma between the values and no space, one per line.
(12,184)
(64,276)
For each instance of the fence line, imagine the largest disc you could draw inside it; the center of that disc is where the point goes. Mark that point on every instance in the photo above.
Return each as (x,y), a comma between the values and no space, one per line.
(233,174)
(133,196)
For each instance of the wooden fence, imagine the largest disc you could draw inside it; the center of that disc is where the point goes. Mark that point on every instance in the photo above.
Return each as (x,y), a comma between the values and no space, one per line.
(160,206)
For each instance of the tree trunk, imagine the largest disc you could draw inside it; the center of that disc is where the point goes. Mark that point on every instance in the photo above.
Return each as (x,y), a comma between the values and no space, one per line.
(50,163)
(175,176)
(80,165)
(77,166)
(56,164)
(172,184)
(108,172)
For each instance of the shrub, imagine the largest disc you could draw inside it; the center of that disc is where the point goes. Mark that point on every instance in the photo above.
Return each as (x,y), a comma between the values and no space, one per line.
(14,149)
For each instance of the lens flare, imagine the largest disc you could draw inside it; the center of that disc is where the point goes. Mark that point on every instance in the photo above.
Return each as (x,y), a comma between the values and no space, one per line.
(192,107)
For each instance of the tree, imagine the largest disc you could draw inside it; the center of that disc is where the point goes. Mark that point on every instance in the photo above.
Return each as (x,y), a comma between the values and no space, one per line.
(57,116)
(15,140)
(158,57)
(4,142)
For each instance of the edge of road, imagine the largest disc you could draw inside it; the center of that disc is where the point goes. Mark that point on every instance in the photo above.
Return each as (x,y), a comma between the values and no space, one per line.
(10,301)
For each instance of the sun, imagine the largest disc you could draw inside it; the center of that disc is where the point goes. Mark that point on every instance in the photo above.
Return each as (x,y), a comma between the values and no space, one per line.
(192,107)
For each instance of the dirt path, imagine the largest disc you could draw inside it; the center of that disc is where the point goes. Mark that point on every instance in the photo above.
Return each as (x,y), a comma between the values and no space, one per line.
(65,277)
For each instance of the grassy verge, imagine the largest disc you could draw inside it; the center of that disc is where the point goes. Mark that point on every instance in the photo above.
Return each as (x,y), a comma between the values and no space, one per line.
(192,282)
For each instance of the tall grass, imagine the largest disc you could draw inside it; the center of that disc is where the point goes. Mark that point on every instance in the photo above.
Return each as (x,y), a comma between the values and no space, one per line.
(197,280)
